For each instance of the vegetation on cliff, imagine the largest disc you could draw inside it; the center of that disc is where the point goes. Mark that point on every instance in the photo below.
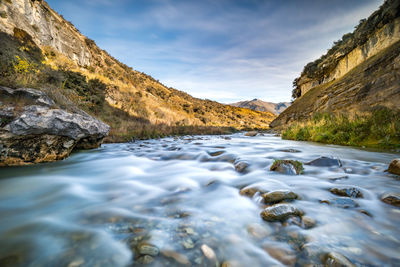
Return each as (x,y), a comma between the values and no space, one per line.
(379,128)
(319,68)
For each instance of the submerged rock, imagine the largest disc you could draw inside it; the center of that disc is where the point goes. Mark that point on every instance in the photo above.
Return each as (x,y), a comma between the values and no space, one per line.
(250,191)
(334,259)
(347,192)
(147,249)
(251,133)
(394,167)
(325,162)
(280,212)
(41,133)
(178,257)
(291,167)
(391,199)
(344,203)
(279,196)
(308,222)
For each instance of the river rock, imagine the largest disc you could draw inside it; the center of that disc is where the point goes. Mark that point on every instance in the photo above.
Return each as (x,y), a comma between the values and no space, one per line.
(241,166)
(178,257)
(41,133)
(279,196)
(250,191)
(391,199)
(394,167)
(347,192)
(308,222)
(284,255)
(290,167)
(325,162)
(251,133)
(280,212)
(334,259)
(147,249)
(208,252)
(344,203)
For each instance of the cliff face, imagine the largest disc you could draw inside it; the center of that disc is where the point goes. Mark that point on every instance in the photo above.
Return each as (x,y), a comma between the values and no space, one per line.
(66,50)
(46,27)
(359,72)
(378,41)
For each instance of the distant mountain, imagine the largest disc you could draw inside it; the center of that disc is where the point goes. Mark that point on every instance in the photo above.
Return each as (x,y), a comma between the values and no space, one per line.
(259,105)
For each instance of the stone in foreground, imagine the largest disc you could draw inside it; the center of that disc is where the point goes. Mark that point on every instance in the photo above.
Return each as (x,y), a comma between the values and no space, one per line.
(290,167)
(279,196)
(280,212)
(394,167)
(334,259)
(391,199)
(39,132)
(325,162)
(347,192)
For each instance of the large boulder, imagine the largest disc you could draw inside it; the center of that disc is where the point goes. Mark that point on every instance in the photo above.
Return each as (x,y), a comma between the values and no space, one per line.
(40,132)
(394,166)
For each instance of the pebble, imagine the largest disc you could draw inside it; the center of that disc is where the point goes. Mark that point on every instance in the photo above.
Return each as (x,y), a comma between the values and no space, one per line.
(280,212)
(258,231)
(188,243)
(208,252)
(285,256)
(279,196)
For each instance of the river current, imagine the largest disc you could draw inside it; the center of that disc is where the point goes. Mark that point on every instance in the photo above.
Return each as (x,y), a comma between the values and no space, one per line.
(177,202)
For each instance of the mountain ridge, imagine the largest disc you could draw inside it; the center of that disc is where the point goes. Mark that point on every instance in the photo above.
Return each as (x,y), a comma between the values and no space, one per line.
(260,105)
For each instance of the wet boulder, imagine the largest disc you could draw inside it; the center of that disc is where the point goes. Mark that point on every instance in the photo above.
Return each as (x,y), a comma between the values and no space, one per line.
(334,259)
(347,192)
(39,132)
(280,212)
(279,196)
(394,167)
(325,162)
(391,199)
(290,167)
(250,191)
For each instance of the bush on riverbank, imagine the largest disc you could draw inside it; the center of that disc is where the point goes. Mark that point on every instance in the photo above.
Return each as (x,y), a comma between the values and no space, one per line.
(380,128)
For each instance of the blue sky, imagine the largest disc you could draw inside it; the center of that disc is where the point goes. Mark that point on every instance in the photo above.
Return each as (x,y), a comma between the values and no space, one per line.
(224,50)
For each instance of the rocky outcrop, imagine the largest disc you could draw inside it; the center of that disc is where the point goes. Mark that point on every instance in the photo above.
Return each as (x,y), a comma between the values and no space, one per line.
(358,73)
(33,130)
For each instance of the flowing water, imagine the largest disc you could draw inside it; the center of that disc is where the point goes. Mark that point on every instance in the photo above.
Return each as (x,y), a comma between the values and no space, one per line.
(181,197)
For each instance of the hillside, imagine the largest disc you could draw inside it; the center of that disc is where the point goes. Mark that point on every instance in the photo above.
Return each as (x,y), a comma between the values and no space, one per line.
(360,85)
(42,50)
(259,105)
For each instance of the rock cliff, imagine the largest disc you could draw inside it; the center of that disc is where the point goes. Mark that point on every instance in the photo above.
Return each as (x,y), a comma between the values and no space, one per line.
(359,72)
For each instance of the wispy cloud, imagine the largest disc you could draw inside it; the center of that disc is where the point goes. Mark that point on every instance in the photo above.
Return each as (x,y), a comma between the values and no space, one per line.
(223,50)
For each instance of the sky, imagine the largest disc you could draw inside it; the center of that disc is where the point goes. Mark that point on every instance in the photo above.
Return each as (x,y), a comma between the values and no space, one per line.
(223,50)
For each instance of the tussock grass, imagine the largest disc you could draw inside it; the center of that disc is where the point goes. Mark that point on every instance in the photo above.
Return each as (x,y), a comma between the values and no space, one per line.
(379,128)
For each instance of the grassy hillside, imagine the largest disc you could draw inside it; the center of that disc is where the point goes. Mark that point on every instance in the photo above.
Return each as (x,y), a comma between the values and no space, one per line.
(134,104)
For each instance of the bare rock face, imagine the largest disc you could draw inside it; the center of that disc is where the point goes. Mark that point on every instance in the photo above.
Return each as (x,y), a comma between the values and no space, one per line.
(38,132)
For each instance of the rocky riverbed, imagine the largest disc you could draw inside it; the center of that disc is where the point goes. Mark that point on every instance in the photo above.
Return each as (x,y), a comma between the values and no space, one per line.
(203,201)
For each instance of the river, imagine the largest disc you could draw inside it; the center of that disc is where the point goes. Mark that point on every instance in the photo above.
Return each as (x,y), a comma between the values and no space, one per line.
(177,202)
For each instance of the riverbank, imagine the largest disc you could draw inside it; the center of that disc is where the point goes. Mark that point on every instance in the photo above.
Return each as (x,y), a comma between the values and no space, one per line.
(379,129)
